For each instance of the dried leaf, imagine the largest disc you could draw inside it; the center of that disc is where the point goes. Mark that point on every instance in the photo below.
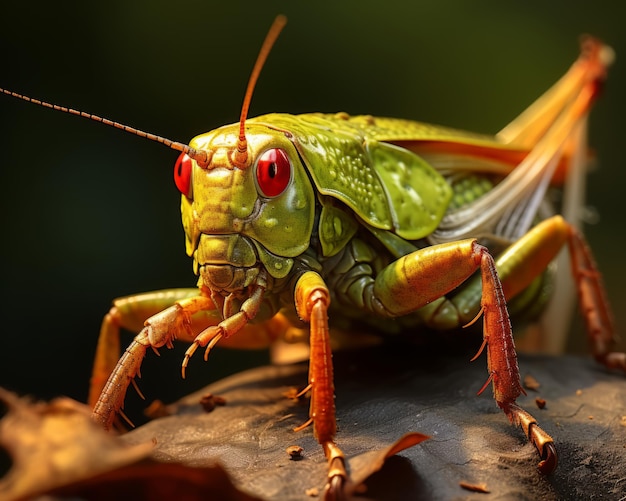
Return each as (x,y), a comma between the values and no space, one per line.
(56,444)
(58,450)
(474,487)
(365,465)
(530,383)
(154,481)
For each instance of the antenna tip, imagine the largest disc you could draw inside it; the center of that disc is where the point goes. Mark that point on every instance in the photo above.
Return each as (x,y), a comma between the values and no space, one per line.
(281,20)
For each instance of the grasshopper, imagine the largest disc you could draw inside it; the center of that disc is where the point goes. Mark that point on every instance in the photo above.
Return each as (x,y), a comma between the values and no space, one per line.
(301,219)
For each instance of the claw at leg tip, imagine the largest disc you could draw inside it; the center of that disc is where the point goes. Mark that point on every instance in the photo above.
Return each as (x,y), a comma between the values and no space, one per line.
(183,368)
(190,351)
(334,490)
(549,460)
(210,346)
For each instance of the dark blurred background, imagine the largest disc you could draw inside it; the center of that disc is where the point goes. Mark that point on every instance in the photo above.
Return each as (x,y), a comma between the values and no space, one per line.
(90,213)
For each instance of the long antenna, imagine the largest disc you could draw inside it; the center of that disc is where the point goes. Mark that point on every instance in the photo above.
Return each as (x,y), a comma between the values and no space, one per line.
(202,157)
(241,154)
(199,156)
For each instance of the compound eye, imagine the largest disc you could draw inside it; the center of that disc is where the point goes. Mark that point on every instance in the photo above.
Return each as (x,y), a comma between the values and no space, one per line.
(182,174)
(273,172)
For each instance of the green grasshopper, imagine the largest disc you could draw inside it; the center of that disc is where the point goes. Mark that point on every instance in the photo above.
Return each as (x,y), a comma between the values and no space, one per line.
(292,219)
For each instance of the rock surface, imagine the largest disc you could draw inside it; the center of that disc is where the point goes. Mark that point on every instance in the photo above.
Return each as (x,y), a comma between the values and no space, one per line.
(383,394)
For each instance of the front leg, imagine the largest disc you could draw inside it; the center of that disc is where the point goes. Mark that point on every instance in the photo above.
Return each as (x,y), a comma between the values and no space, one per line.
(159,330)
(128,313)
(312,302)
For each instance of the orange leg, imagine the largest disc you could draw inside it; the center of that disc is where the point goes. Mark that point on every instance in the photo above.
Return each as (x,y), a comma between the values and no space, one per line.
(502,365)
(421,277)
(234,322)
(127,313)
(312,302)
(160,330)
(187,314)
(527,258)
(593,303)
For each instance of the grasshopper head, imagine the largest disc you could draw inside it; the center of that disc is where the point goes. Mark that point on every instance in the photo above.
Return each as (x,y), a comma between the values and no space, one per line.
(239,218)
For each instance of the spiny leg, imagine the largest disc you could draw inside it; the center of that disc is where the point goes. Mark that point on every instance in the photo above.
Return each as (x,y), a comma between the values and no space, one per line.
(502,365)
(111,400)
(312,302)
(423,276)
(236,322)
(160,329)
(528,257)
(593,303)
(127,313)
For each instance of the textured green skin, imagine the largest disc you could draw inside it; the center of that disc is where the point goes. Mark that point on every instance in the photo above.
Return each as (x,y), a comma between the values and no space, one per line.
(389,187)
(357,201)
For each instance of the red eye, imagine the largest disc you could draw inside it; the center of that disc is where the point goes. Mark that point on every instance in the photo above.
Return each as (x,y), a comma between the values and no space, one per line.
(182,174)
(273,172)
